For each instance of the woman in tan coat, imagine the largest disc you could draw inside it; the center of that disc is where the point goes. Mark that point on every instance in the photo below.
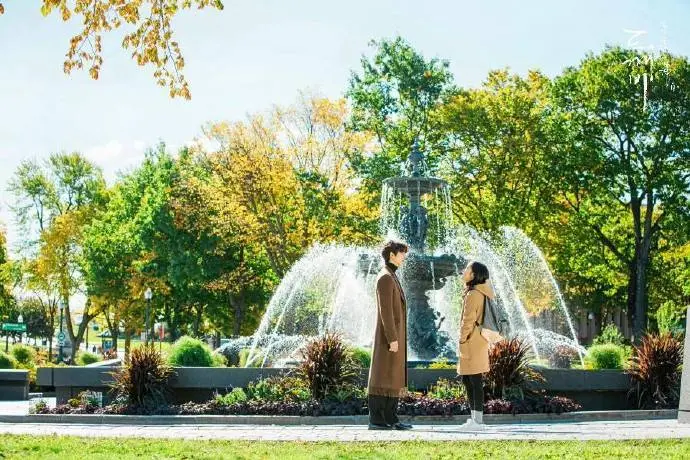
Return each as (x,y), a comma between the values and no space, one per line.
(473,350)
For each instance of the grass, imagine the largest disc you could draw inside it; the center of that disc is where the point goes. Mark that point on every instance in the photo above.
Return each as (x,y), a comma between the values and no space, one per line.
(164,346)
(23,447)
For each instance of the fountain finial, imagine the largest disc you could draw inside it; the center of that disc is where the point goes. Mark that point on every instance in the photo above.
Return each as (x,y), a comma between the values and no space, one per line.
(415,162)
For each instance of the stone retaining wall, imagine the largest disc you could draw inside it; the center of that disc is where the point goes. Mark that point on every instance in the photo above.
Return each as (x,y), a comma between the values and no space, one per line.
(594,390)
(14,384)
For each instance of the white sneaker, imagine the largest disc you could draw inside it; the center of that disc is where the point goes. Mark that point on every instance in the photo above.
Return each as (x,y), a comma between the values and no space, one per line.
(471,425)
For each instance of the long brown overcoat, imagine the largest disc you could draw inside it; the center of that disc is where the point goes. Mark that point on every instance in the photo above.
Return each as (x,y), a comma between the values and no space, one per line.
(473,356)
(388,371)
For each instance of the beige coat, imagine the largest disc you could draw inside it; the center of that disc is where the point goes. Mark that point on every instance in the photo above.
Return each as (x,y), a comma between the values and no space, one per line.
(388,371)
(473,355)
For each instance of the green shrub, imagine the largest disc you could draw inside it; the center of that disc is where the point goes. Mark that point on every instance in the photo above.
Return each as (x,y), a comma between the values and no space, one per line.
(362,356)
(7,361)
(442,363)
(610,334)
(670,318)
(39,407)
(31,367)
(279,388)
(606,356)
(42,358)
(349,393)
(237,395)
(190,352)
(219,360)
(24,354)
(85,358)
(447,389)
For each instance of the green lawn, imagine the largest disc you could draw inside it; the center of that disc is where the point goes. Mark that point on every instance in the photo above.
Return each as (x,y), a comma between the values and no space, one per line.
(24,447)
(163,346)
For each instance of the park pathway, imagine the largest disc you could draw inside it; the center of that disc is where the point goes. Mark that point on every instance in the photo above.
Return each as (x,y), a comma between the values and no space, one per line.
(650,429)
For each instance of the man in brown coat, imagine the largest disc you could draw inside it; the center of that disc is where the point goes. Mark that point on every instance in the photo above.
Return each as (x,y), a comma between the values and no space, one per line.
(388,371)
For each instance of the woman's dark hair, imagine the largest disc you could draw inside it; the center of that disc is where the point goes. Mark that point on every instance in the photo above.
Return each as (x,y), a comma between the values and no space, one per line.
(392,247)
(481,274)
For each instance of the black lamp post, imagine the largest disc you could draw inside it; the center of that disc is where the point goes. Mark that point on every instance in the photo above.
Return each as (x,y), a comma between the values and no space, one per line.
(148,294)
(20,320)
(61,334)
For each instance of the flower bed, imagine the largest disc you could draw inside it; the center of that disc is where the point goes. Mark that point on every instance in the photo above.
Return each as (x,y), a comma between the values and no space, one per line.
(414,404)
(325,384)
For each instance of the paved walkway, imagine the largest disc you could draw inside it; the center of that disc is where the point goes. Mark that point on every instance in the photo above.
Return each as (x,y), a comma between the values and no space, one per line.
(655,429)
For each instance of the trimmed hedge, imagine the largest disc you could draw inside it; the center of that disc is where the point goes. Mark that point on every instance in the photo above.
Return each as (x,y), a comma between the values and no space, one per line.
(191,352)
(606,356)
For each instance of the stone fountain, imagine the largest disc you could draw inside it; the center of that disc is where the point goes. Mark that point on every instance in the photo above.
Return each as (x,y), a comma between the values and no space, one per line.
(332,287)
(423,271)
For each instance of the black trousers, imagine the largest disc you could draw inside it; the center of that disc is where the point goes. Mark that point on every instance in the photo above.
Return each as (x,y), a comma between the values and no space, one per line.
(383,410)
(475,391)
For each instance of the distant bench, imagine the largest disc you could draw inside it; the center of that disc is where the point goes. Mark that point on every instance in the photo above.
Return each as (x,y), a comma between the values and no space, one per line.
(14,384)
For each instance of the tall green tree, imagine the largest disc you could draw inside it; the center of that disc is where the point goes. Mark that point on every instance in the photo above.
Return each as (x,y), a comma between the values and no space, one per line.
(54,200)
(499,140)
(627,145)
(393,97)
(36,317)
(235,278)
(7,300)
(118,251)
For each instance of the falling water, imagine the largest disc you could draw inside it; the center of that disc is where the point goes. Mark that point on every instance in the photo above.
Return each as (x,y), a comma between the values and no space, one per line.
(324,283)
(536,269)
(328,289)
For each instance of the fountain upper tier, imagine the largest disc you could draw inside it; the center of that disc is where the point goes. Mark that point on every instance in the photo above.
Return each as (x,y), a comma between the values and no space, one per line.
(417,207)
(415,185)
(426,271)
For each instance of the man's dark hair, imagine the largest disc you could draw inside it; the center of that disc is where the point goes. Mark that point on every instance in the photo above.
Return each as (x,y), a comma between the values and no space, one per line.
(392,247)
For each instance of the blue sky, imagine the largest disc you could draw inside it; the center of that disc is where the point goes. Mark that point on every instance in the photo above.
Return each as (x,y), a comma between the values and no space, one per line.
(258,53)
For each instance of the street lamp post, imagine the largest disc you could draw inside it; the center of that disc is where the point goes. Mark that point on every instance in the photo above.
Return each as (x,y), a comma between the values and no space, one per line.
(20,320)
(60,335)
(148,294)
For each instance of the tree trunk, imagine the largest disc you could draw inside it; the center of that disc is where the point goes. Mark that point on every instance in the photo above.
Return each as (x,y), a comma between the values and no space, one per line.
(632,291)
(113,327)
(51,316)
(640,323)
(197,319)
(642,263)
(114,331)
(79,337)
(128,342)
(172,325)
(239,306)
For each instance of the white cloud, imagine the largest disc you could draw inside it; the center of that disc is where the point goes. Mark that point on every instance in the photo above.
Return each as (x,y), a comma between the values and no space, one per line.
(205,143)
(115,156)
